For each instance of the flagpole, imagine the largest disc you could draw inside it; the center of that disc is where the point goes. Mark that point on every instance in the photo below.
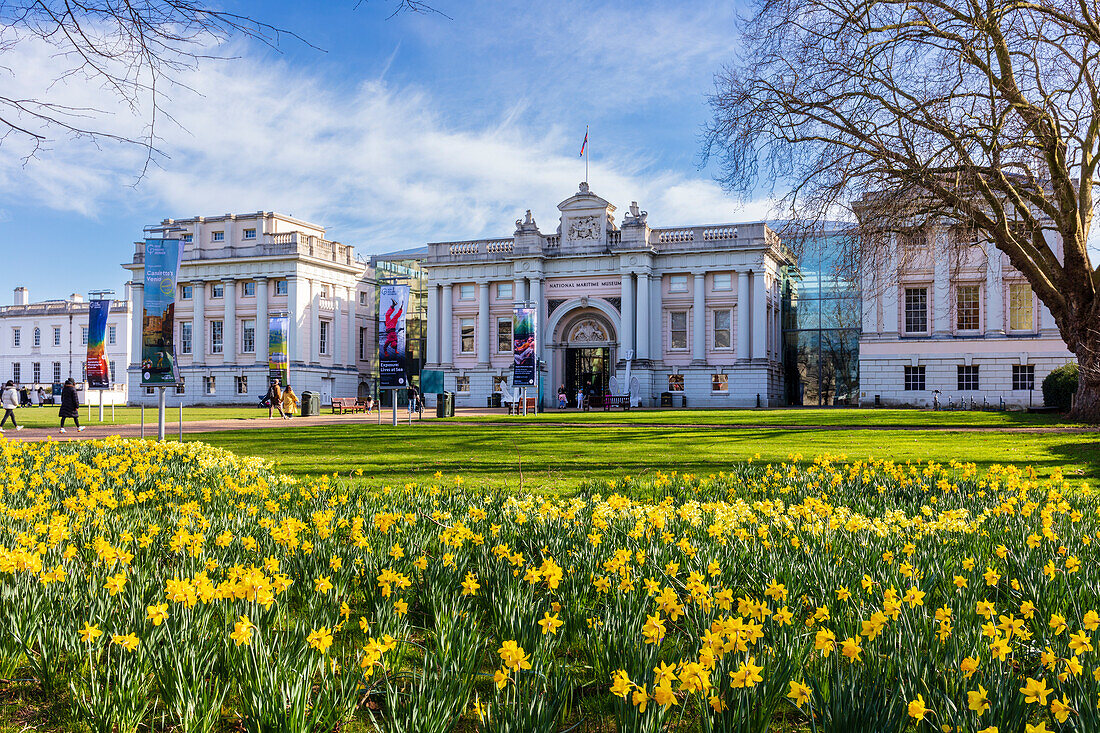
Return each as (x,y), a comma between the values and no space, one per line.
(586,153)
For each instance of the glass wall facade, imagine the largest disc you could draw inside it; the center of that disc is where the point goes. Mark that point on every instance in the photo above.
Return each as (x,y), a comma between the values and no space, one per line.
(821,322)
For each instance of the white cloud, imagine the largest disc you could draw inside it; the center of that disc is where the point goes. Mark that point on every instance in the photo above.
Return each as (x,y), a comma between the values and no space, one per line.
(380,164)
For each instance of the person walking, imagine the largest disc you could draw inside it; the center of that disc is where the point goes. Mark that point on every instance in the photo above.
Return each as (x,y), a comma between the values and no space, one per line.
(9,400)
(563,398)
(290,403)
(41,397)
(274,399)
(70,406)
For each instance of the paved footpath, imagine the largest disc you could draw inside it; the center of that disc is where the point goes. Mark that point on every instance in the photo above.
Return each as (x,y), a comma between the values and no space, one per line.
(94,430)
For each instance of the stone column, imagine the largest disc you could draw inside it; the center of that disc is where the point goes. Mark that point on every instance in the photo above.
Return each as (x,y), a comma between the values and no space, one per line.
(314,321)
(229,323)
(294,312)
(743,315)
(941,297)
(433,324)
(889,292)
(198,324)
(626,325)
(334,328)
(519,290)
(643,315)
(138,305)
(447,324)
(262,329)
(483,324)
(656,315)
(540,309)
(352,331)
(759,316)
(699,320)
(994,293)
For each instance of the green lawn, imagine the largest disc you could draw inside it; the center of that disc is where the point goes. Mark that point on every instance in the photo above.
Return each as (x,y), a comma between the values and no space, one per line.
(557,458)
(46,416)
(799,416)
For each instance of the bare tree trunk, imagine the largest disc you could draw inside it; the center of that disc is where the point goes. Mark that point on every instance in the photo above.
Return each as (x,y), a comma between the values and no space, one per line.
(1086,403)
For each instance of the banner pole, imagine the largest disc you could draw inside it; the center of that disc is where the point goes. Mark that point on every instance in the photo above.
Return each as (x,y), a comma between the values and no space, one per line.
(101,405)
(143,421)
(181,420)
(160,415)
(393,399)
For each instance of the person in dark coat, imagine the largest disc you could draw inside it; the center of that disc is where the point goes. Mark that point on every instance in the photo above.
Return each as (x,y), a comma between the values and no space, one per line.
(70,406)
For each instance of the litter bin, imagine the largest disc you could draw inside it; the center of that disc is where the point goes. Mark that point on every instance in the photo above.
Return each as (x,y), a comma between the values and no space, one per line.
(311,404)
(445,405)
(493,400)
(666,399)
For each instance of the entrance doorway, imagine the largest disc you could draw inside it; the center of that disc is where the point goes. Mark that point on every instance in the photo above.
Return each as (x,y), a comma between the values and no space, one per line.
(589,367)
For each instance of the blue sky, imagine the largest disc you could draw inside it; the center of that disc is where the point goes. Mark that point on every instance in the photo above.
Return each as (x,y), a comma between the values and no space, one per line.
(399,131)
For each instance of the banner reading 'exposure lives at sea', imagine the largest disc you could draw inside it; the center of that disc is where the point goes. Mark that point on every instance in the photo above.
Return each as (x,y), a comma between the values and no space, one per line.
(99,375)
(524,339)
(158,352)
(393,302)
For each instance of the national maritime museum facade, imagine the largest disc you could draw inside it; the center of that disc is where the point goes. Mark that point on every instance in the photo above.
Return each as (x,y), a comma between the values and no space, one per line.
(689,312)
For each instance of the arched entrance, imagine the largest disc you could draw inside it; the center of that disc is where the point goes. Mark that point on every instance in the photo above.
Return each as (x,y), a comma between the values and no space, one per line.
(586,343)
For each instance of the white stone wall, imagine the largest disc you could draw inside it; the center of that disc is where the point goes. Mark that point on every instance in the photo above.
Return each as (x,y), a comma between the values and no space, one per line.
(344,383)
(884,377)
(994,347)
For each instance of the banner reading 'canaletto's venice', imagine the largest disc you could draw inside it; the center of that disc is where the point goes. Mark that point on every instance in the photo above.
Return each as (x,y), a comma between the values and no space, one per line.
(524,338)
(393,302)
(158,351)
(278,353)
(99,374)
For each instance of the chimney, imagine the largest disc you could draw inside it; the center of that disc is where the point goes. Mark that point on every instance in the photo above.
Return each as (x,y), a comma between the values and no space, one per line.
(22,296)
(76,298)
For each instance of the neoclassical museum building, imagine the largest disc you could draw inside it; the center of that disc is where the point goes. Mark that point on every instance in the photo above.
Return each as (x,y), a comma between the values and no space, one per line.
(692,311)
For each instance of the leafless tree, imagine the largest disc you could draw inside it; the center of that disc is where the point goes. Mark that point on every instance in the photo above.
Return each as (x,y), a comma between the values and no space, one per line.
(133,51)
(943,113)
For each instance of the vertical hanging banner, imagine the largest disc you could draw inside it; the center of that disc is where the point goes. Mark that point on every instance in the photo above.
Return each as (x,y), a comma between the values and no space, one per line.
(278,351)
(393,302)
(524,339)
(99,375)
(158,352)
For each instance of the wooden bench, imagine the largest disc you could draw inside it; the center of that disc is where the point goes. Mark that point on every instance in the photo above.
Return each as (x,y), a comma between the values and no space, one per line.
(516,408)
(616,400)
(340,405)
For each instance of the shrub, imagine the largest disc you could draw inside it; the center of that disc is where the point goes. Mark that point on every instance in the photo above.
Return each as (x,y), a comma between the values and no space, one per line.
(1059,386)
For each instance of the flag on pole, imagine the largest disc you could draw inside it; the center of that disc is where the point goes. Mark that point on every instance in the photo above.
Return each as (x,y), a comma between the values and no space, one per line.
(585,143)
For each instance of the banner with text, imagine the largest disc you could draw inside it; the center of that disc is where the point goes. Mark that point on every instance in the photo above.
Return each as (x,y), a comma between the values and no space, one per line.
(158,352)
(393,302)
(524,339)
(99,374)
(278,350)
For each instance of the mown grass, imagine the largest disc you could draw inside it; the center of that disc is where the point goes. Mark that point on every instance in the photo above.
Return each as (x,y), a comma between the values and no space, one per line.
(46,416)
(793,416)
(557,459)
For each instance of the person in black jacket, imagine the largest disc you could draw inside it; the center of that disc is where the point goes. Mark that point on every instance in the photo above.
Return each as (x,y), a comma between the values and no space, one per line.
(70,405)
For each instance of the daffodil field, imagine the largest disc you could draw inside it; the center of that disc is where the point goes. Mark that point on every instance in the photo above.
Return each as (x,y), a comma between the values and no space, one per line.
(178,587)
